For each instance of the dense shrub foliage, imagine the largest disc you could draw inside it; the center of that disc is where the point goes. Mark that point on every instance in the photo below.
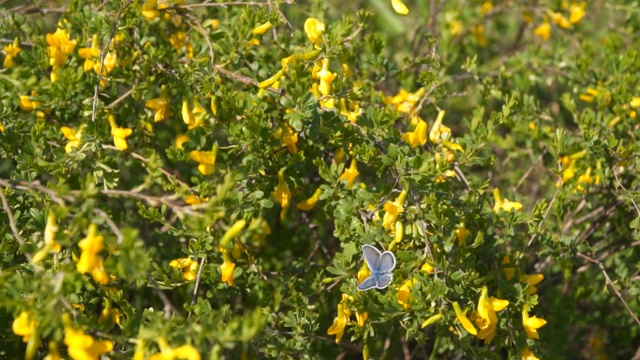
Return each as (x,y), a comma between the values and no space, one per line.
(189,180)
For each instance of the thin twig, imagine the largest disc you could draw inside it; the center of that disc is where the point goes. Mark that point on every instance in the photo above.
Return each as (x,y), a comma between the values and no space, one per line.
(528,172)
(145,160)
(112,225)
(165,300)
(102,55)
(122,97)
(197,283)
(635,205)
(535,234)
(610,283)
(12,222)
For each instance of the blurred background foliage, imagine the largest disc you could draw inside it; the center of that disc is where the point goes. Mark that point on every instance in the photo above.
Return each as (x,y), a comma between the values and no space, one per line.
(209,194)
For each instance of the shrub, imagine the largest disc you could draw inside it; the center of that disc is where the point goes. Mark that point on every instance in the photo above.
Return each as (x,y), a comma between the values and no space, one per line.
(187,179)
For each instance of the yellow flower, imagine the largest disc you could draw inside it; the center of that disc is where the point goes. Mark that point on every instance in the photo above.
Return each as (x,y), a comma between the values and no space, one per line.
(392,210)
(576,12)
(398,233)
(543,30)
(180,140)
(418,136)
(50,243)
(504,204)
(50,233)
(486,7)
(214,105)
(314,29)
(178,40)
(110,61)
(341,320)
(232,232)
(26,104)
(399,7)
(464,320)
(109,313)
(560,20)
(528,354)
(60,45)
(12,50)
(508,271)
(364,272)
(350,174)
(195,199)
(261,29)
(310,203)
(150,9)
(532,280)
(590,96)
(325,101)
(74,137)
(404,293)
(24,326)
(405,101)
(90,54)
(272,80)
(288,136)
(456,27)
(531,324)
(282,194)
(351,115)
(326,77)
(206,160)
(426,267)
(478,32)
(461,234)
(186,352)
(81,346)
(119,134)
(439,131)
(487,318)
(431,320)
(361,318)
(189,116)
(53,354)
(188,266)
(90,261)
(635,101)
(227,268)
(159,105)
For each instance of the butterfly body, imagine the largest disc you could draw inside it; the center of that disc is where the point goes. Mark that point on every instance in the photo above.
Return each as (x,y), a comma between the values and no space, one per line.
(381,266)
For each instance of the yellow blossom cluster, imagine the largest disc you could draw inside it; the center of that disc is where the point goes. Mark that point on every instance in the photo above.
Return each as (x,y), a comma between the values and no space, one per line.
(343,318)
(569,166)
(92,59)
(485,317)
(50,244)
(576,13)
(12,50)
(59,47)
(188,266)
(90,260)
(504,204)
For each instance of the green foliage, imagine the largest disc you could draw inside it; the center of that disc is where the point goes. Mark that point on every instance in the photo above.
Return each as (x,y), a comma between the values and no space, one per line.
(201,177)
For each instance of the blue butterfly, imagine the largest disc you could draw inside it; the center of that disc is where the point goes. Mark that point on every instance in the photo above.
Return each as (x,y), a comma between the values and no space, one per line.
(381,266)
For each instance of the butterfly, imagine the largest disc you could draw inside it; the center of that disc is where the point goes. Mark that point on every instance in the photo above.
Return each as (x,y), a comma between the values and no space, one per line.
(381,265)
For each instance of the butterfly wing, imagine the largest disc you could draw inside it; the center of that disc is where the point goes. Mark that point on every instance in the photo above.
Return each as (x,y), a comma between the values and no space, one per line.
(383,280)
(372,257)
(387,262)
(368,283)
